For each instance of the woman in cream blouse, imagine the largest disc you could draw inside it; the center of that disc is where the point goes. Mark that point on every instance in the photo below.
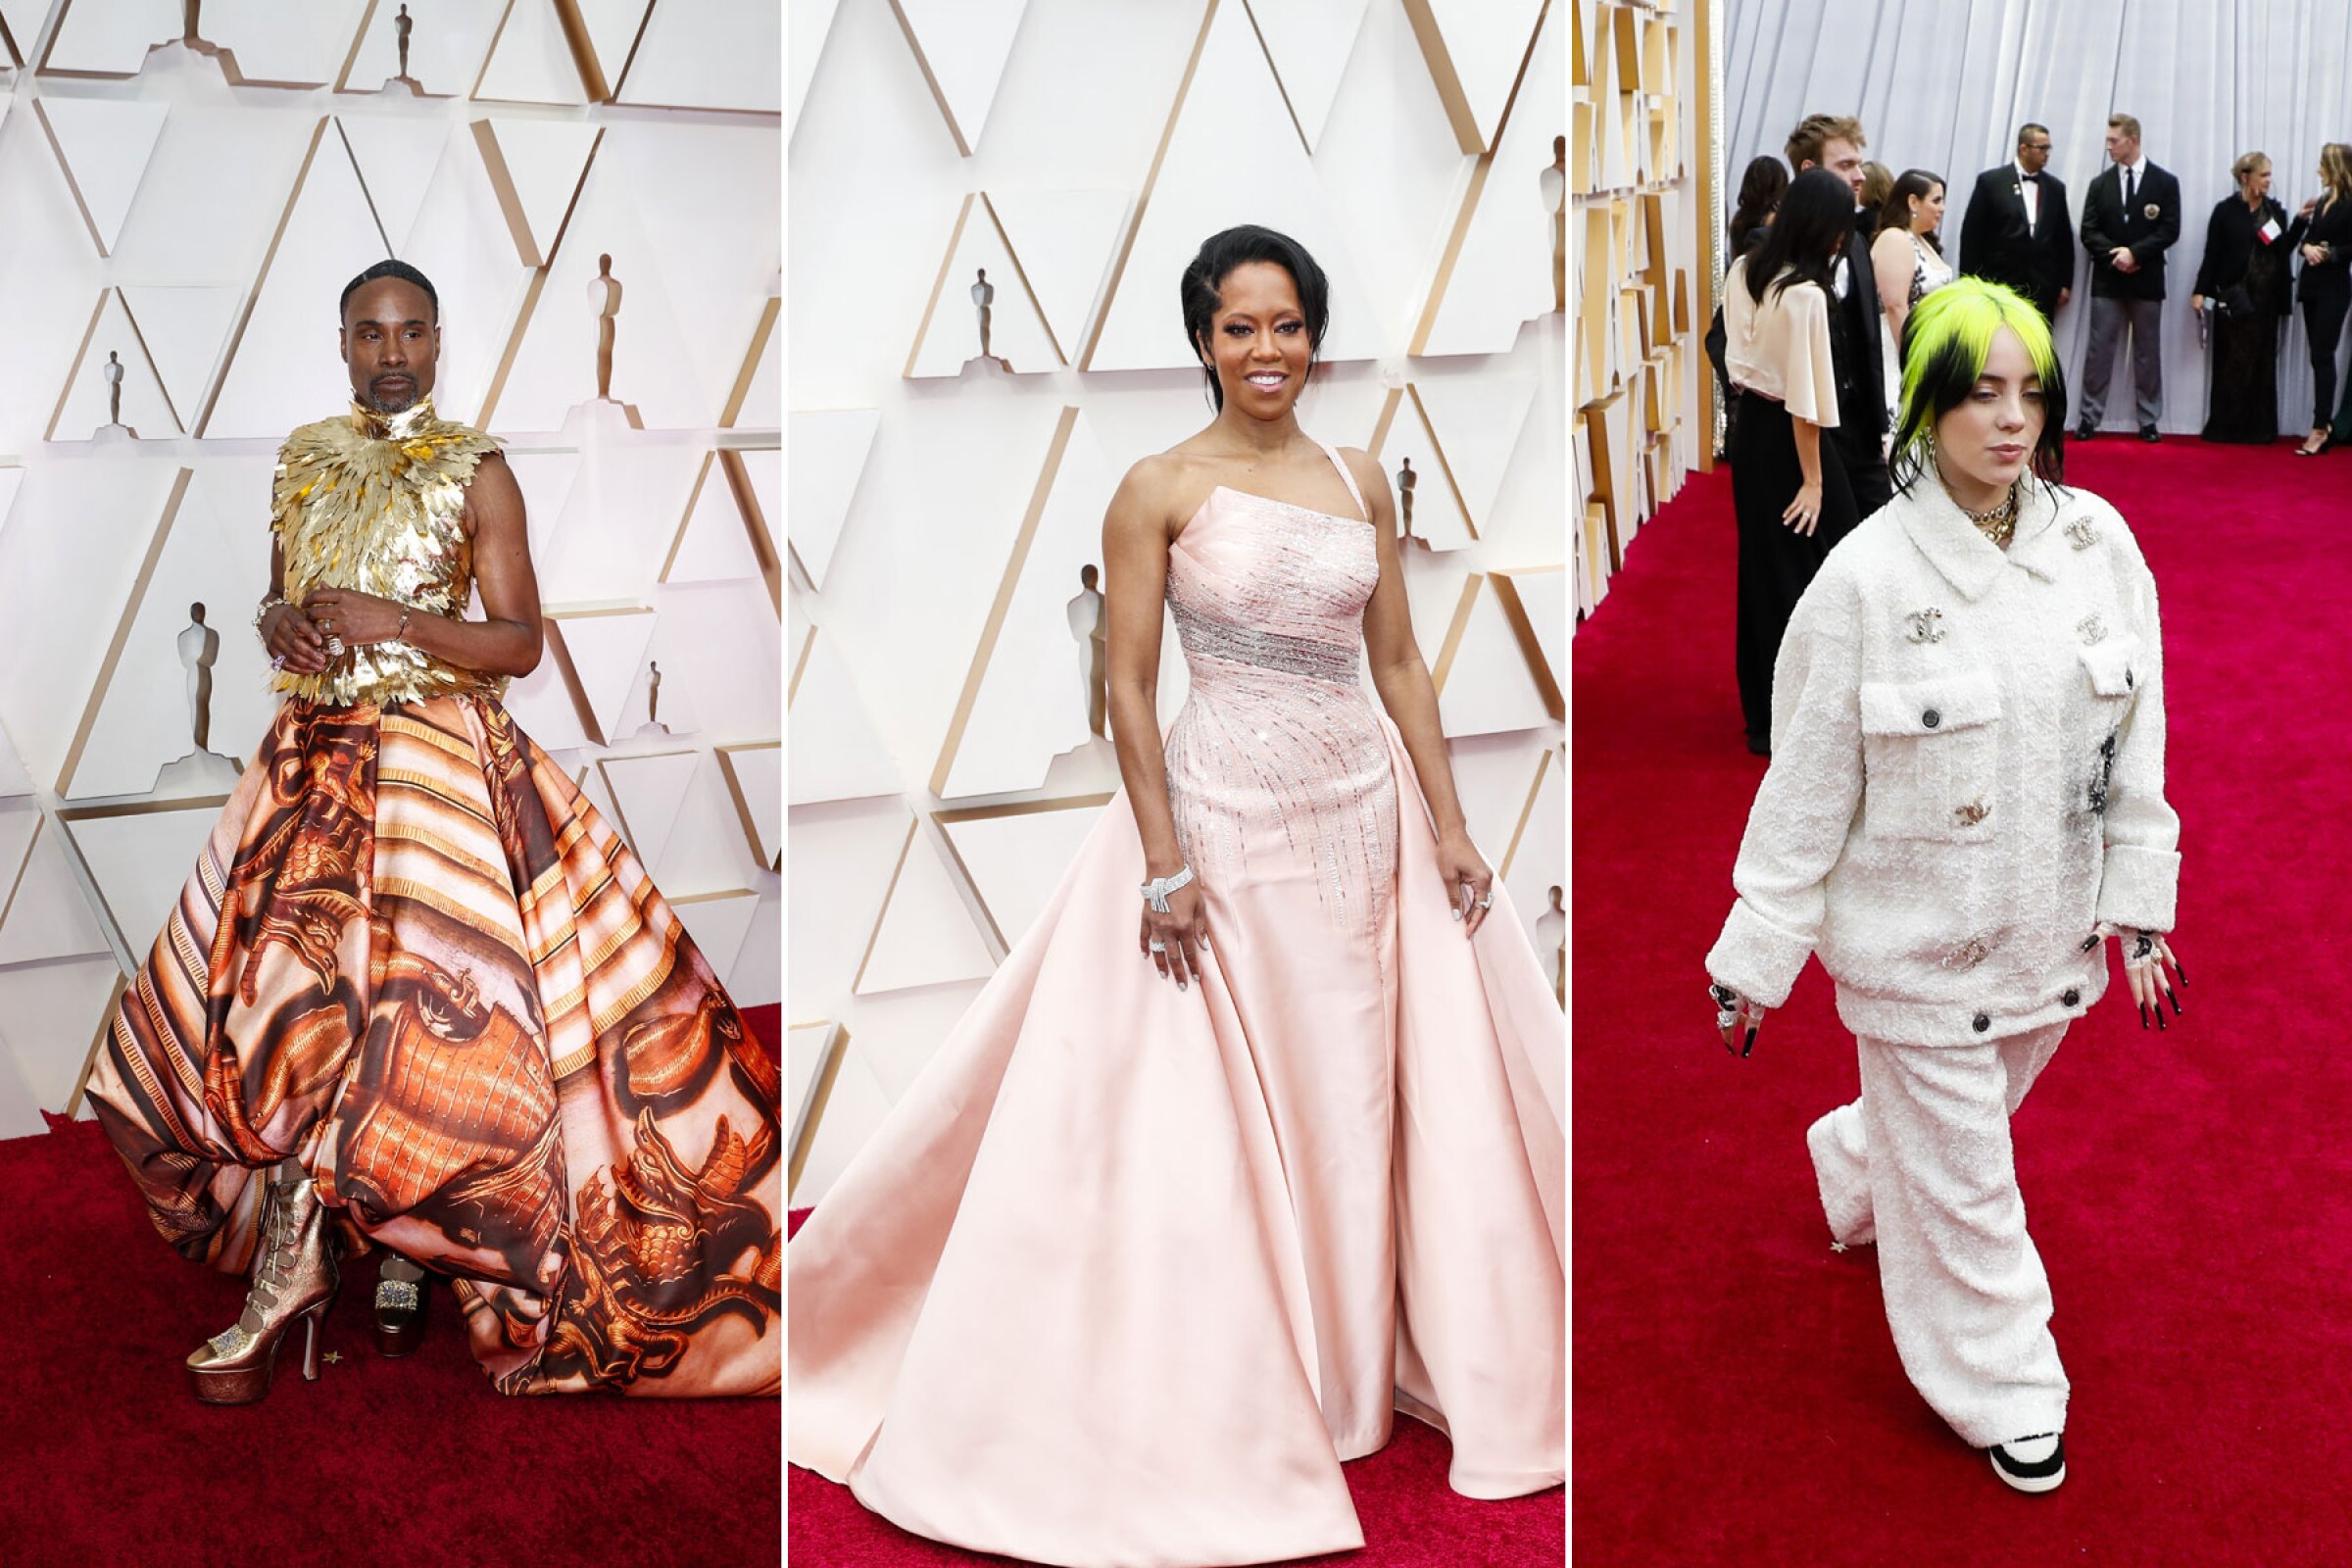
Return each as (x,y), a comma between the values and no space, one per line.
(1791,494)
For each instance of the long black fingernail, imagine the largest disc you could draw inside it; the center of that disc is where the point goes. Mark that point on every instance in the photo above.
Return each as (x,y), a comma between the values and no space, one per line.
(2179,973)
(2143,1015)
(2089,942)
(2174,999)
(2159,1023)
(1751,1041)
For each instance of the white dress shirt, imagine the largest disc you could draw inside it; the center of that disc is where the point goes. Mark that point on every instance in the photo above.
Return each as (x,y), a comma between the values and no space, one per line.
(2031,187)
(2139,180)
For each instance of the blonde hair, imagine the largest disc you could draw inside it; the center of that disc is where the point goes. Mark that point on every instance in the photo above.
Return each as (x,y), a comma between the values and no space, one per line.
(1805,141)
(2336,171)
(1877,181)
(2249,165)
(2125,124)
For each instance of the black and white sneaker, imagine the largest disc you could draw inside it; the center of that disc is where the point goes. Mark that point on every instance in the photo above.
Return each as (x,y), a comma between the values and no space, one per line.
(2030,1464)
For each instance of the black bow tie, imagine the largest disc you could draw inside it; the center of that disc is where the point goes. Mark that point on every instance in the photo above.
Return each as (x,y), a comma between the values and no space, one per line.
(2030,180)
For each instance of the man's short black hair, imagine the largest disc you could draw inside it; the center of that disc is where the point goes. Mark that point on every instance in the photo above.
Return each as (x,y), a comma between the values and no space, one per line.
(390,268)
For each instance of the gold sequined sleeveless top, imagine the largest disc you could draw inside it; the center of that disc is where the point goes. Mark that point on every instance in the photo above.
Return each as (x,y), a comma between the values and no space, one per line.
(376,502)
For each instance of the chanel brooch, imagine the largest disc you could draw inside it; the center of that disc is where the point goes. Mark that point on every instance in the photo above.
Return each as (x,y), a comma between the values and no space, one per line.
(2082,534)
(1926,625)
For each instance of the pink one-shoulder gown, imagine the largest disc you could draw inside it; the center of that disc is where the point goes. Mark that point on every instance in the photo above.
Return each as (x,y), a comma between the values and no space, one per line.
(1128,1272)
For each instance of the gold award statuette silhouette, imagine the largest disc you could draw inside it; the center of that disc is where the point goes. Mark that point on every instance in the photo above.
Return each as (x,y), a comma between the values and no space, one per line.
(604,298)
(984,299)
(1552,184)
(1085,612)
(199,646)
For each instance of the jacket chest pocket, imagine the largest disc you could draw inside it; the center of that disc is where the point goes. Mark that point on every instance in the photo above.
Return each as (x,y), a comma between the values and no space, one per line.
(2113,665)
(1931,757)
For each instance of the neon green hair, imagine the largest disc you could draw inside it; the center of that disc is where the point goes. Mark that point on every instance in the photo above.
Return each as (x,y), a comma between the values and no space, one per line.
(1946,341)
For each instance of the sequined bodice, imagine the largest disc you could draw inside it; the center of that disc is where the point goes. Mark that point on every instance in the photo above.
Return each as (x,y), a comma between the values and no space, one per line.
(376,502)
(1278,754)
(1928,271)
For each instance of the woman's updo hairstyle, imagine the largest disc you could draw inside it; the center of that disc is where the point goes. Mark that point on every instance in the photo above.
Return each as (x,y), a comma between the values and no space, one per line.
(1204,279)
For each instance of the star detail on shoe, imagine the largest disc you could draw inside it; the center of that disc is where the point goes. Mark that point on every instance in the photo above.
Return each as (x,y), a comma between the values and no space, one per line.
(332,1358)
(1838,1246)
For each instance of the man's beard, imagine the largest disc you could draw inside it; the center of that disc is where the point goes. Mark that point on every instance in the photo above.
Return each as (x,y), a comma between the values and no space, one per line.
(398,405)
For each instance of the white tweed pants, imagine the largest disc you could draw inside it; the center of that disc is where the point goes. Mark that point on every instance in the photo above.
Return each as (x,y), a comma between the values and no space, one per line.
(1922,1164)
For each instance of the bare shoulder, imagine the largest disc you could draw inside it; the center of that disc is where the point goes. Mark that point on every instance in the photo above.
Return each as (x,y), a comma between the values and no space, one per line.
(494,481)
(1369,474)
(493,495)
(1147,494)
(1153,478)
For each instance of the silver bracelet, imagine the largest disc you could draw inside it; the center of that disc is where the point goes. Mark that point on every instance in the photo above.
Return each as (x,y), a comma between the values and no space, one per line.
(1156,891)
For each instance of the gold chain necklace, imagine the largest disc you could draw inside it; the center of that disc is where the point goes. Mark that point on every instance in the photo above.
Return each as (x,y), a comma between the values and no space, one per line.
(1997,522)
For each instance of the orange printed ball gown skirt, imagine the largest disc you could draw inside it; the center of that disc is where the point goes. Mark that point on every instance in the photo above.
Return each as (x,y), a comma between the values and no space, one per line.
(414,958)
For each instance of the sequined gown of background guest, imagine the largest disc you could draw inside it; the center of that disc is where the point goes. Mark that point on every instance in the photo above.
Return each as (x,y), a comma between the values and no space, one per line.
(415,959)
(1127,1271)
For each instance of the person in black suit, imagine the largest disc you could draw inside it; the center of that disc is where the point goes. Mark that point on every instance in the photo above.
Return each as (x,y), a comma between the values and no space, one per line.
(2130,217)
(1834,142)
(2017,230)
(2323,236)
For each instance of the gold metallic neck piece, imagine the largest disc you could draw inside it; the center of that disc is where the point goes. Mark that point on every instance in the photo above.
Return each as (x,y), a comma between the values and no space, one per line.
(399,427)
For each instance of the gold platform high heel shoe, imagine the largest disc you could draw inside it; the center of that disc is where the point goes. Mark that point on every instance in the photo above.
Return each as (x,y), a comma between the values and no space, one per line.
(294,1279)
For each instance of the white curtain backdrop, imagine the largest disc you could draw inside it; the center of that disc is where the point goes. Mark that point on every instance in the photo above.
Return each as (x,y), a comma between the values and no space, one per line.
(1943,84)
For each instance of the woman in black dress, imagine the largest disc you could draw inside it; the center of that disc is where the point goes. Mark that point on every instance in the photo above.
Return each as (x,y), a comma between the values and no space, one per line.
(2323,236)
(1789,490)
(1761,188)
(2244,278)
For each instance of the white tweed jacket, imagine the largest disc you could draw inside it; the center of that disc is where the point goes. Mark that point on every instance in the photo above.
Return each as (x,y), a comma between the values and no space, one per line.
(1967,774)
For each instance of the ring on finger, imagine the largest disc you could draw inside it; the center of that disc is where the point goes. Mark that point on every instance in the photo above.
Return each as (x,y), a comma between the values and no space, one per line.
(1157,946)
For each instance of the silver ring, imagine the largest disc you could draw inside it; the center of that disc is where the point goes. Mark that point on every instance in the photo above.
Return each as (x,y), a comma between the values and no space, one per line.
(1487,903)
(1724,1020)
(334,646)
(1159,945)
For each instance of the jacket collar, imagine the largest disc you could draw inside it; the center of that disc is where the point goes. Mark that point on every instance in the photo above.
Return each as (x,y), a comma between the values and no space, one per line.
(1969,562)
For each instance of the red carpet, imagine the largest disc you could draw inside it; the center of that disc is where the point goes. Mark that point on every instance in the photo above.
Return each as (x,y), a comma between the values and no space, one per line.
(1410,1517)
(109,1460)
(1737,1398)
